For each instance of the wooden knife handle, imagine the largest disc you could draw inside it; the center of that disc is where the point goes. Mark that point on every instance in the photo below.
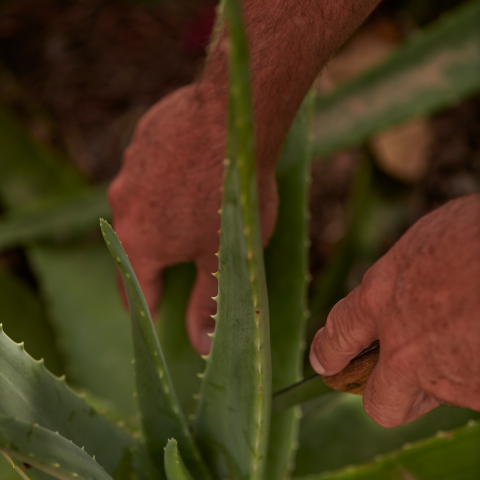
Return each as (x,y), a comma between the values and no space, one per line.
(354,376)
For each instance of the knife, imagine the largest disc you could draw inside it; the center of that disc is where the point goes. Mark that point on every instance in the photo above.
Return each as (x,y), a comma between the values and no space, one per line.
(351,379)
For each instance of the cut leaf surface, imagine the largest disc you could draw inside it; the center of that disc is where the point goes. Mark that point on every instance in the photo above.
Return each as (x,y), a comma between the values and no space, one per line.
(160,411)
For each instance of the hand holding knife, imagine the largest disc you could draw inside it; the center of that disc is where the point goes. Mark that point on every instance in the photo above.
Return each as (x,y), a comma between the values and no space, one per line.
(351,379)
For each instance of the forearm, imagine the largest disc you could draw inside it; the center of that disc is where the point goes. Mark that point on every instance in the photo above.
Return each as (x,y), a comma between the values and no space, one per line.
(289,41)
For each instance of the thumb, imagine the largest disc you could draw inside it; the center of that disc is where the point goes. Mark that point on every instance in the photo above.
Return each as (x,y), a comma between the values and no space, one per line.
(347,332)
(201,306)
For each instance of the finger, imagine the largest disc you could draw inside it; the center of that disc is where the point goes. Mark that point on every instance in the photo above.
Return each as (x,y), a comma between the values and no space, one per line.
(392,399)
(201,307)
(150,279)
(347,332)
(148,273)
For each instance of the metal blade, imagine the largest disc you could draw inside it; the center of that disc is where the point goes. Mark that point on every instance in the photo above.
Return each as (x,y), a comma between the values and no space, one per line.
(351,379)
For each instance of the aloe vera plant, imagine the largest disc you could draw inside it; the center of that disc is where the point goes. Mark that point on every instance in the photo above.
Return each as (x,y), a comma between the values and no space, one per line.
(50,431)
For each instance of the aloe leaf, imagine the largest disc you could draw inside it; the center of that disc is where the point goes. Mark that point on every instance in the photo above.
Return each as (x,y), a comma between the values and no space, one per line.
(65,216)
(174,466)
(47,451)
(435,69)
(28,171)
(446,456)
(286,267)
(7,469)
(92,328)
(336,432)
(31,393)
(24,319)
(160,411)
(183,362)
(235,398)
(233,411)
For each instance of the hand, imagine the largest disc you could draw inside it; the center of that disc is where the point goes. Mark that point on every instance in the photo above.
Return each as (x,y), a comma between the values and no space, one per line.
(166,198)
(422,301)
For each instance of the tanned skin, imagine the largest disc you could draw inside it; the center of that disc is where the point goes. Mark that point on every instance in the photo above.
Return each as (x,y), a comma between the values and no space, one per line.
(166,198)
(422,300)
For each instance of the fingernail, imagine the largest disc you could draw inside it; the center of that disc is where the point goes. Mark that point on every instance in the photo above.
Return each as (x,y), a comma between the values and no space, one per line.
(316,365)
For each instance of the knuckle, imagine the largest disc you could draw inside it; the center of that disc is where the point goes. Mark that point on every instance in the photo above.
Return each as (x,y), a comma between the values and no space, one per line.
(376,288)
(338,329)
(380,418)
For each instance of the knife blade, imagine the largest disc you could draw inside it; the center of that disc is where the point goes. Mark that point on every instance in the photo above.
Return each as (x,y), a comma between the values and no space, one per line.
(351,379)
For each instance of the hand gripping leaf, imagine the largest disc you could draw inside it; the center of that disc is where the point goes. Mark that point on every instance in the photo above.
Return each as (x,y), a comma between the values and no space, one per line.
(159,408)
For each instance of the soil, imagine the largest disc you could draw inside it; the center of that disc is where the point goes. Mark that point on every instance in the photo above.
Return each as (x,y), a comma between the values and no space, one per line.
(95,66)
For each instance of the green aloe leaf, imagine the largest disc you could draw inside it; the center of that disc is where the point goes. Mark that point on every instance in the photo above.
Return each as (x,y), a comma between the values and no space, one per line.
(49,452)
(61,217)
(449,455)
(235,398)
(174,466)
(286,266)
(435,69)
(28,171)
(8,470)
(335,432)
(78,284)
(31,393)
(24,319)
(183,362)
(160,410)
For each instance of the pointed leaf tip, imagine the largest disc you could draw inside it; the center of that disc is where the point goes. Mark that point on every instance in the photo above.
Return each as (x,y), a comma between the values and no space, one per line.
(174,467)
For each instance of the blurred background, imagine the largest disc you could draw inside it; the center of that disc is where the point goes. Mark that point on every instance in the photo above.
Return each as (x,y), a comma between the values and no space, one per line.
(396,133)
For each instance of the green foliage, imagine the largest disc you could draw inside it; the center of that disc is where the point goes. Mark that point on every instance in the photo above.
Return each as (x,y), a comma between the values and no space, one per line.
(435,69)
(234,434)
(183,362)
(233,416)
(88,319)
(32,394)
(63,217)
(28,172)
(160,411)
(287,279)
(174,466)
(49,452)
(335,432)
(24,320)
(448,455)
